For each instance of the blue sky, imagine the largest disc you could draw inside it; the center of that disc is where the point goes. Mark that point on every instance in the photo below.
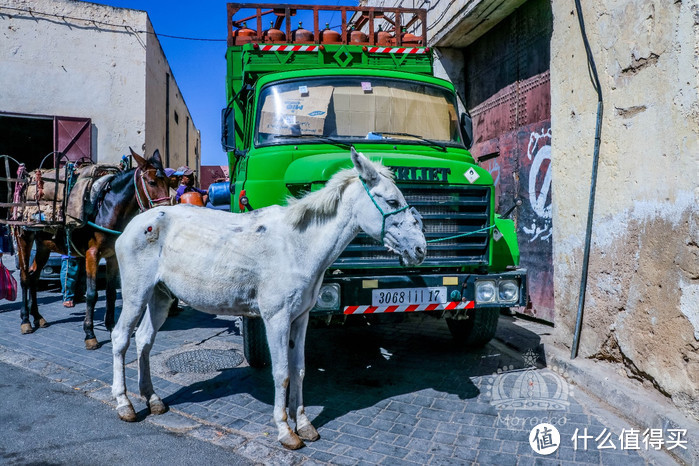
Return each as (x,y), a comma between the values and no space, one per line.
(199,67)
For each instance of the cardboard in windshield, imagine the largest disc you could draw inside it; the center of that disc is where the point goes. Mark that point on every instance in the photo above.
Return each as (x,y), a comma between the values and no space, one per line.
(302,110)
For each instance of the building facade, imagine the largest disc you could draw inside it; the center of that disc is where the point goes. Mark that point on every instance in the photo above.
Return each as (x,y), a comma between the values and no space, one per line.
(521,70)
(88,81)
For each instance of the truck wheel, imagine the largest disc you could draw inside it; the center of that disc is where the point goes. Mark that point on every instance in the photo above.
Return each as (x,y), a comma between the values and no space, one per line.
(255,346)
(478,329)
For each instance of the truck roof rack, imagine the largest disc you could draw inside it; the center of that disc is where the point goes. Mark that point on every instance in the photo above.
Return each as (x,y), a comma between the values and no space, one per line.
(359,18)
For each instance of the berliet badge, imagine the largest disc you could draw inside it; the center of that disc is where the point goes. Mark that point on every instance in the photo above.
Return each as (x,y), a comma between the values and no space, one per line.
(471,175)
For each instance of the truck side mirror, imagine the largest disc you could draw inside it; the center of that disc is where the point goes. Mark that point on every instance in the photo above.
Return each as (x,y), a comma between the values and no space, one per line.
(228,128)
(467,129)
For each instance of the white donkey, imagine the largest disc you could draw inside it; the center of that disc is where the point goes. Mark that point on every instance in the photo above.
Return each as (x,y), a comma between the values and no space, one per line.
(268,263)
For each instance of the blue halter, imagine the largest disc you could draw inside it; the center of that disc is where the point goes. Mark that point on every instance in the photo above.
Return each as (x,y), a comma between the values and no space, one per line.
(384,214)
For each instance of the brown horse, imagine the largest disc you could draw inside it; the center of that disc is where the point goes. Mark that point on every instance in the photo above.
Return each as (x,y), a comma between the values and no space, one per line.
(127,194)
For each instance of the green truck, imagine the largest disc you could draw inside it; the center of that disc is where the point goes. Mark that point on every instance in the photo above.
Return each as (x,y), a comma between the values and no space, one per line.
(298,99)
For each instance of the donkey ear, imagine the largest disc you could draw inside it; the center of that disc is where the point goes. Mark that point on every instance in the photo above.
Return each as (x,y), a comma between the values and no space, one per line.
(366,170)
(140,161)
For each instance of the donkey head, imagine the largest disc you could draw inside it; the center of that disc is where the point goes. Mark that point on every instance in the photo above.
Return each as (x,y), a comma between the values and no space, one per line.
(152,186)
(386,216)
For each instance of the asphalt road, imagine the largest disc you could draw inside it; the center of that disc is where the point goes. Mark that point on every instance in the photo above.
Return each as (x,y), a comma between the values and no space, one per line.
(43,422)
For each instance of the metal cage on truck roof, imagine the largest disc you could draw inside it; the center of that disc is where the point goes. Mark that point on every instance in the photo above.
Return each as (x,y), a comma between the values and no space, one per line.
(361,18)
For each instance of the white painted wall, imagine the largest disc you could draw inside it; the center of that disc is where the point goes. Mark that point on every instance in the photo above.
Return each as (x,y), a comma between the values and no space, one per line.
(158,74)
(79,59)
(69,67)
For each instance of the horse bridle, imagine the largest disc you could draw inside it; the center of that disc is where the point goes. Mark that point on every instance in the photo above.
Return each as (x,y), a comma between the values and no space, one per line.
(413,210)
(150,202)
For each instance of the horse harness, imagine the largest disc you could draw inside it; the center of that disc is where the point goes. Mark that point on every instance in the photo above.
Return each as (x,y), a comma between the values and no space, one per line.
(150,203)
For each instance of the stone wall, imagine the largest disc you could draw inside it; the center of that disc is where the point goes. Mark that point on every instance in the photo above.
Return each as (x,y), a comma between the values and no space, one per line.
(642,301)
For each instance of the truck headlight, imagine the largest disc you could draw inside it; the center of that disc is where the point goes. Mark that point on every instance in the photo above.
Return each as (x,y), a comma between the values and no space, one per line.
(328,297)
(485,291)
(508,291)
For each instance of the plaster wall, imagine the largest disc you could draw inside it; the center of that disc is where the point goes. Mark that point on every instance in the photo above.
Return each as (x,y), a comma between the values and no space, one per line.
(642,300)
(92,67)
(162,121)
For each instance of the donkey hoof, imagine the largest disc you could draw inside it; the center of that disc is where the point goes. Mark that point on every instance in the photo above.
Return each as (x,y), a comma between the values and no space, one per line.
(157,407)
(41,323)
(308,432)
(91,344)
(27,329)
(126,413)
(291,441)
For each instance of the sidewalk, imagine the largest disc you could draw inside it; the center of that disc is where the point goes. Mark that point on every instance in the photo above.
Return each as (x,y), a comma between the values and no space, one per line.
(388,394)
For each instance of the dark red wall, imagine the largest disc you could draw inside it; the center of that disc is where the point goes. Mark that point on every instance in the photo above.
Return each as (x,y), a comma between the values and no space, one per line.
(508,95)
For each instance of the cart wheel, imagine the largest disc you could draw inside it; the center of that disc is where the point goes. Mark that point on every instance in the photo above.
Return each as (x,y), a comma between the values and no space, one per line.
(478,329)
(255,346)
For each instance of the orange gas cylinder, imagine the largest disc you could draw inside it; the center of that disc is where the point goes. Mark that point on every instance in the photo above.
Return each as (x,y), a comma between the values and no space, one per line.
(244,35)
(410,39)
(328,36)
(382,37)
(301,35)
(273,34)
(193,198)
(358,37)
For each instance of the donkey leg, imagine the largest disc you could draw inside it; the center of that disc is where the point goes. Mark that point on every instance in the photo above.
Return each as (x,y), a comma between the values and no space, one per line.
(130,313)
(153,319)
(112,277)
(277,329)
(91,262)
(297,369)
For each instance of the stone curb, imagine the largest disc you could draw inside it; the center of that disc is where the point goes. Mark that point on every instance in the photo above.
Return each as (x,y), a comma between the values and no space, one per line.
(642,407)
(173,421)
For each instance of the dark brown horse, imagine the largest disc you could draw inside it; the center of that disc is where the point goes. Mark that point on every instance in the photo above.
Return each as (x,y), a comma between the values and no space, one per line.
(127,194)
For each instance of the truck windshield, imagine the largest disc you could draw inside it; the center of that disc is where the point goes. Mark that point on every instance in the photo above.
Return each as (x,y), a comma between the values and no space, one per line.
(348,109)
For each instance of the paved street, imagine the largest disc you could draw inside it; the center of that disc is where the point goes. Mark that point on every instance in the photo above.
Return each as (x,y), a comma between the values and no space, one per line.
(45,422)
(398,393)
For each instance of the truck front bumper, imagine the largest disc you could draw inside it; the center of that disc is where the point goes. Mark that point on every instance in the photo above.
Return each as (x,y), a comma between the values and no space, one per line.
(353,294)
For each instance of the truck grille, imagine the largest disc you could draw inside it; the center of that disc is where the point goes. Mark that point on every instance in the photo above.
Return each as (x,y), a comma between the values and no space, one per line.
(446,211)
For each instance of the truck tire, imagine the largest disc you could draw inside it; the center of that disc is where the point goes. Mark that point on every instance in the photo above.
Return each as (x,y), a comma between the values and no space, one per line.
(255,346)
(477,330)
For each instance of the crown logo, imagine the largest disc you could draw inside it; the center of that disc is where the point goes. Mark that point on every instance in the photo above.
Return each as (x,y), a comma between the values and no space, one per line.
(529,388)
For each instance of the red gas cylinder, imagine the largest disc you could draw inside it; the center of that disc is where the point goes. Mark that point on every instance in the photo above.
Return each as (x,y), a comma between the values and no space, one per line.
(244,35)
(328,36)
(358,37)
(273,34)
(410,39)
(382,37)
(301,35)
(193,198)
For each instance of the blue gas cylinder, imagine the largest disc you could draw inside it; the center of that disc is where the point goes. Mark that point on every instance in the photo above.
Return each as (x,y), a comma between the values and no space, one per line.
(220,193)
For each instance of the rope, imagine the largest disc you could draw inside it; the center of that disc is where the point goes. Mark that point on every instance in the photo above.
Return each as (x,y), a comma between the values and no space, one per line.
(106,230)
(464,234)
(383,223)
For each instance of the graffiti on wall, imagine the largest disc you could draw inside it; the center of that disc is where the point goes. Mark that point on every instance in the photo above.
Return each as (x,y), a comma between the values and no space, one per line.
(539,153)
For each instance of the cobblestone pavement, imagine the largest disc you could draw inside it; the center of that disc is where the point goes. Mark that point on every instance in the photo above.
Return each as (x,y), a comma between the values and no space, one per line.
(398,393)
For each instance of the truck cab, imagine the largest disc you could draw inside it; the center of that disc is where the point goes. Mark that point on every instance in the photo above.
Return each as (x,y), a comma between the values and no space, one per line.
(294,111)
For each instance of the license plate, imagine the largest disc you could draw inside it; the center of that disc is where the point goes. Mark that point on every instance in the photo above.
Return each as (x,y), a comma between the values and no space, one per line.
(395,296)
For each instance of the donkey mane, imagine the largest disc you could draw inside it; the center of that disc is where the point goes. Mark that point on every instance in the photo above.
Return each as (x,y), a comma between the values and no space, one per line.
(321,205)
